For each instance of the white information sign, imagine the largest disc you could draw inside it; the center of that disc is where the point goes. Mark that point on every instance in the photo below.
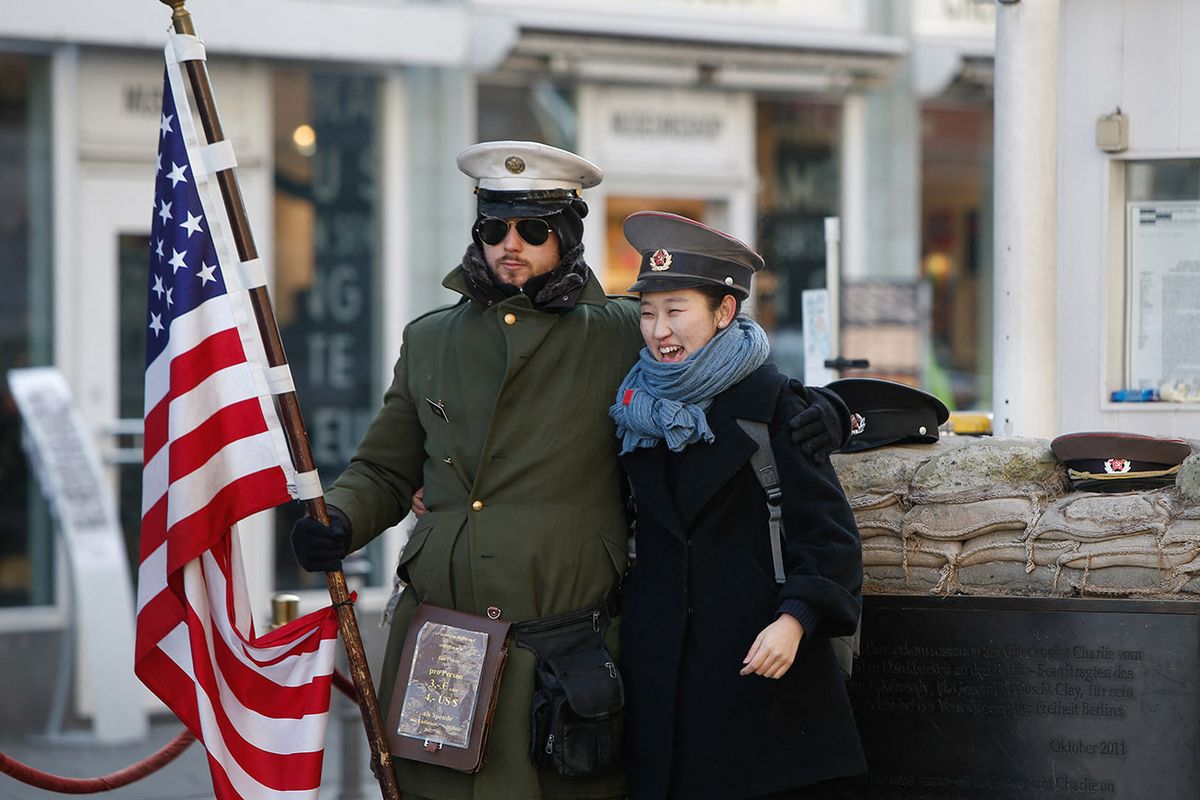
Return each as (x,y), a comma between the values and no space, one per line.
(818,337)
(1163,273)
(67,466)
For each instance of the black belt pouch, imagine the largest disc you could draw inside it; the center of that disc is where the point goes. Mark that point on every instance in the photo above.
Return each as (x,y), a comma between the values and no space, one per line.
(577,715)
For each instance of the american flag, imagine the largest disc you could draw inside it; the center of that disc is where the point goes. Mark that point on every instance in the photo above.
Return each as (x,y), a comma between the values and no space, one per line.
(259,704)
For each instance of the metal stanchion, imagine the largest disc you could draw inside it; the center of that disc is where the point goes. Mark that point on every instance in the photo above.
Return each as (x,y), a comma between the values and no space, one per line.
(285,607)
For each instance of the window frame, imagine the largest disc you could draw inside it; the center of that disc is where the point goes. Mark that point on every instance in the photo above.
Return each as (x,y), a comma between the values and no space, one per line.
(1115,289)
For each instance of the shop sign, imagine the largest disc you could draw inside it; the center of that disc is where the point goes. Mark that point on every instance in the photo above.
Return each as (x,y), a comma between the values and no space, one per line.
(959,18)
(662,130)
(120,100)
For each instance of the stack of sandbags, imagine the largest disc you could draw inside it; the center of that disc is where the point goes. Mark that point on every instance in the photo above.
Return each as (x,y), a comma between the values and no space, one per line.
(1109,544)
(876,483)
(996,516)
(926,512)
(1182,539)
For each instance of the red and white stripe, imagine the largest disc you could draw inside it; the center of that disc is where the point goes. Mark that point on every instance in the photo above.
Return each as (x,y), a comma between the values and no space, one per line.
(258,704)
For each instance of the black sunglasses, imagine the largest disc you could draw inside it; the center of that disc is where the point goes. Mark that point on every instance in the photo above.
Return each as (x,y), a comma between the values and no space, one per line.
(491,231)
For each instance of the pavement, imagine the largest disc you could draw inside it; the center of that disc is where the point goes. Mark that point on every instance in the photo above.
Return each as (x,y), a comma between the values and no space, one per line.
(76,755)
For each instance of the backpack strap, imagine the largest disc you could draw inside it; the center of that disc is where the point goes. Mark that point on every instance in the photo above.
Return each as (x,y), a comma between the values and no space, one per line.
(845,648)
(763,463)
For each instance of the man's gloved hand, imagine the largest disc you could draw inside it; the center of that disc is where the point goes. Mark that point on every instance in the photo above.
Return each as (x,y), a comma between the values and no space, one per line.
(321,548)
(822,427)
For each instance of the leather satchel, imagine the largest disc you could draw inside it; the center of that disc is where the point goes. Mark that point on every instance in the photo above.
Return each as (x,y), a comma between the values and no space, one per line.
(444,698)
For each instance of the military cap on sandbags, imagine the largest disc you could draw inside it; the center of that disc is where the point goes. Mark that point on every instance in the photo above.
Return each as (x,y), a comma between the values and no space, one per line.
(527,179)
(680,253)
(1102,461)
(886,412)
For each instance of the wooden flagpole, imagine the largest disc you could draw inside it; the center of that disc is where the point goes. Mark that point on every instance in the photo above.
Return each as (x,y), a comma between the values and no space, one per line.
(289,411)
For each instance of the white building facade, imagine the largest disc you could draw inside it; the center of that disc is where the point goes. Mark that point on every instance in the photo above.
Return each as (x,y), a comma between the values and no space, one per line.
(1128,253)
(762,117)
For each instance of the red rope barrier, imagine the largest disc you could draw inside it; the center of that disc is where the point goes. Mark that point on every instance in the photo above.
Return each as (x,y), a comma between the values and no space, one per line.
(57,783)
(152,763)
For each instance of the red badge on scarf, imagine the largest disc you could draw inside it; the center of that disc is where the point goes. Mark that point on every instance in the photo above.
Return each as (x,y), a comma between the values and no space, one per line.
(628,397)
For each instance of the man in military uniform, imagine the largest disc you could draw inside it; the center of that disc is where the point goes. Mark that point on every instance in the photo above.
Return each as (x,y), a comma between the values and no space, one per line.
(499,408)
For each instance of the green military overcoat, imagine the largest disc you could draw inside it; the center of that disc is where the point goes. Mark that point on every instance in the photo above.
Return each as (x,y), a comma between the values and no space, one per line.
(501,412)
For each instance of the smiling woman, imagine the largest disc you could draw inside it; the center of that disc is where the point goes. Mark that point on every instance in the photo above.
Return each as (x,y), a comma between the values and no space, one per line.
(732,684)
(677,323)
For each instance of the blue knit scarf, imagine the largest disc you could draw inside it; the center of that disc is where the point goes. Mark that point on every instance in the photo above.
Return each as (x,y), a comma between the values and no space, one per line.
(667,401)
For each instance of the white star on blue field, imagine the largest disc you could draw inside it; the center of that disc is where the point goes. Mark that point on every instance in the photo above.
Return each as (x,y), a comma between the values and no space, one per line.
(184,268)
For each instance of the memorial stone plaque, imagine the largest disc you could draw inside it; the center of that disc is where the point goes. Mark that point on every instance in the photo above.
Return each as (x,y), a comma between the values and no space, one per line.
(1014,698)
(443,690)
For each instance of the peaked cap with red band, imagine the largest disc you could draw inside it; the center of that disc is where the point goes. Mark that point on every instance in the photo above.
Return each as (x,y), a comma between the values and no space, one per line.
(680,253)
(1106,461)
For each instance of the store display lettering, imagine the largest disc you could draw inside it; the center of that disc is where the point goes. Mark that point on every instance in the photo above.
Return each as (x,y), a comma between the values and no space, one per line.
(652,124)
(143,99)
(336,380)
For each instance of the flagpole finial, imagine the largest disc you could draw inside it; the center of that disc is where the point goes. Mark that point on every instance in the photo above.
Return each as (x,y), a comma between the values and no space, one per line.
(180,18)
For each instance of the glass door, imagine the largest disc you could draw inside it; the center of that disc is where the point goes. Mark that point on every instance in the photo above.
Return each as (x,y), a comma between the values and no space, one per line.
(103,327)
(124,433)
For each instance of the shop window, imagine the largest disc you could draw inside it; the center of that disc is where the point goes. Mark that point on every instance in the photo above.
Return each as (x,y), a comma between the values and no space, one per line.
(956,257)
(537,111)
(26,320)
(326,147)
(622,262)
(1162,280)
(797,153)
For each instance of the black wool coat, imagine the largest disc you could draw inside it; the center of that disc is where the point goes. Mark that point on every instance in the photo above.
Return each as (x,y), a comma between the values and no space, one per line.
(703,588)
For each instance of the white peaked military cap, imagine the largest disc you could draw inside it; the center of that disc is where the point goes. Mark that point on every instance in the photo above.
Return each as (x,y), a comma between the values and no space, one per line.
(527,166)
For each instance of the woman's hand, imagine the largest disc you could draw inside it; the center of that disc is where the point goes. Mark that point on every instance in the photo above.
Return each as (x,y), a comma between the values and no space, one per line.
(418,503)
(774,649)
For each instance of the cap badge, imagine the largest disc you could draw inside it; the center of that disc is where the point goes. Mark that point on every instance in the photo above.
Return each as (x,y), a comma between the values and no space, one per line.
(514,164)
(858,424)
(661,260)
(1117,466)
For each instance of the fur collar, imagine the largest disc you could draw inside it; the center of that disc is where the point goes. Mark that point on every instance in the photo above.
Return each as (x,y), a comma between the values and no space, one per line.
(557,290)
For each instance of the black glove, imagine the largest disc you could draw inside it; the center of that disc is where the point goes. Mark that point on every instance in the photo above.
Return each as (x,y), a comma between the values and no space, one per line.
(822,427)
(321,548)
